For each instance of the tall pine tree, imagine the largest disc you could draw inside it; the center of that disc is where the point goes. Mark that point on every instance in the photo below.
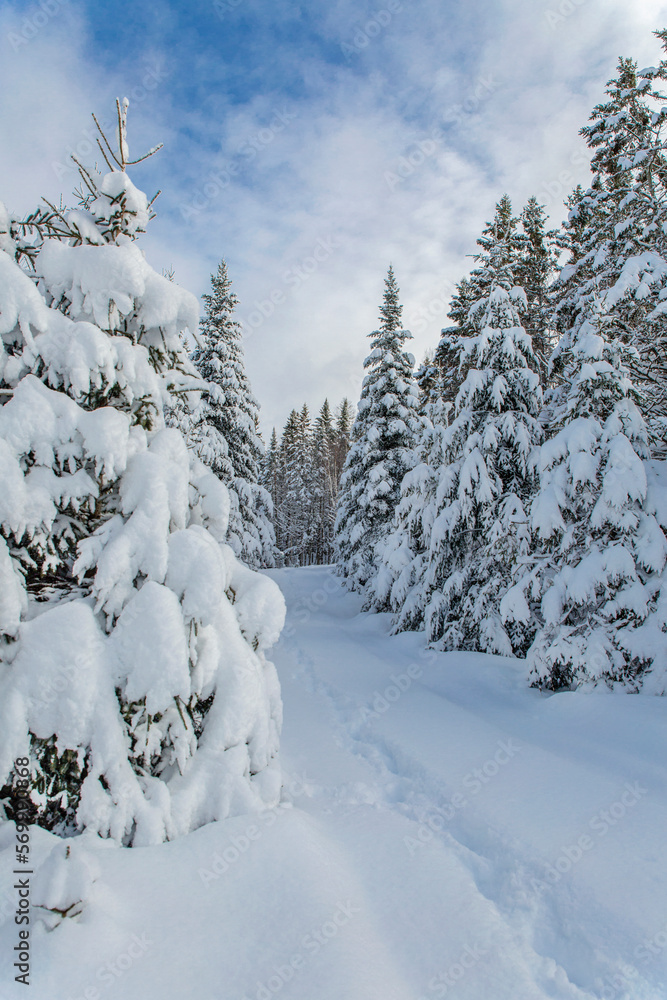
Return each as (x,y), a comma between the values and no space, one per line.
(132,675)
(302,474)
(529,251)
(229,414)
(343,429)
(535,271)
(462,523)
(384,436)
(592,591)
(616,233)
(326,482)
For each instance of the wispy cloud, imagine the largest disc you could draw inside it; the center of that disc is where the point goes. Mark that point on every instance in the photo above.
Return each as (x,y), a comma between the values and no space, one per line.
(285,140)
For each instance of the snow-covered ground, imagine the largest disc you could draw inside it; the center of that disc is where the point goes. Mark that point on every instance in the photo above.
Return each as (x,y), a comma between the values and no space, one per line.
(446,832)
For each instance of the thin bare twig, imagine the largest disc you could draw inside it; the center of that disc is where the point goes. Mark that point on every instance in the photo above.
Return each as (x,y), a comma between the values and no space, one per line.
(85,176)
(106,142)
(121,144)
(106,160)
(130,163)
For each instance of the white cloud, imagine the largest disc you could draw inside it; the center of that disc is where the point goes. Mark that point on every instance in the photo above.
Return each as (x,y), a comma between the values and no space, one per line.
(315,192)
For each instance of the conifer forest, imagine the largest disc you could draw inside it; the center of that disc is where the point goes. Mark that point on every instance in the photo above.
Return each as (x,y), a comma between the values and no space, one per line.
(333,611)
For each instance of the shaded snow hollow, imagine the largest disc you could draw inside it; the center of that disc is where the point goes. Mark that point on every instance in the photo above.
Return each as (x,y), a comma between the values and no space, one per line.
(444,832)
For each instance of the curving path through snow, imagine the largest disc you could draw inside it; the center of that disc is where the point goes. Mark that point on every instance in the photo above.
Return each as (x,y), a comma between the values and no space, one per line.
(445,832)
(506,844)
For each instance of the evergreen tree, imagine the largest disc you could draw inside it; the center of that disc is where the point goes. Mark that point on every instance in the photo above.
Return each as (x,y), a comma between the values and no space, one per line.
(616,230)
(227,425)
(296,518)
(447,377)
(382,449)
(462,301)
(428,377)
(115,585)
(572,240)
(343,429)
(310,489)
(326,484)
(461,523)
(270,480)
(593,592)
(401,584)
(270,462)
(529,255)
(501,248)
(282,511)
(534,272)
(302,475)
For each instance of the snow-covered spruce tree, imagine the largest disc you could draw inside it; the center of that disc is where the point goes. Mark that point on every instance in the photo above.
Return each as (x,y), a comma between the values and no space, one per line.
(308,498)
(343,429)
(618,230)
(524,246)
(592,589)
(132,668)
(269,477)
(228,416)
(383,436)
(404,552)
(535,271)
(464,505)
(427,377)
(529,252)
(446,379)
(399,583)
(501,242)
(296,514)
(302,475)
(425,569)
(281,514)
(324,463)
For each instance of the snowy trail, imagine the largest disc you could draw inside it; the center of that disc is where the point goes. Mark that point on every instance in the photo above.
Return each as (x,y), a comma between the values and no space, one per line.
(490,787)
(446,832)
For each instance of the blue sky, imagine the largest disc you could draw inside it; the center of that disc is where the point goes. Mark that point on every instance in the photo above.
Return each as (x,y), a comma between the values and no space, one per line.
(311,144)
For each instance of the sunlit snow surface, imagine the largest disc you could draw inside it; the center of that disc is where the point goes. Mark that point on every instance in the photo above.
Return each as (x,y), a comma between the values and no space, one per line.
(445,832)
